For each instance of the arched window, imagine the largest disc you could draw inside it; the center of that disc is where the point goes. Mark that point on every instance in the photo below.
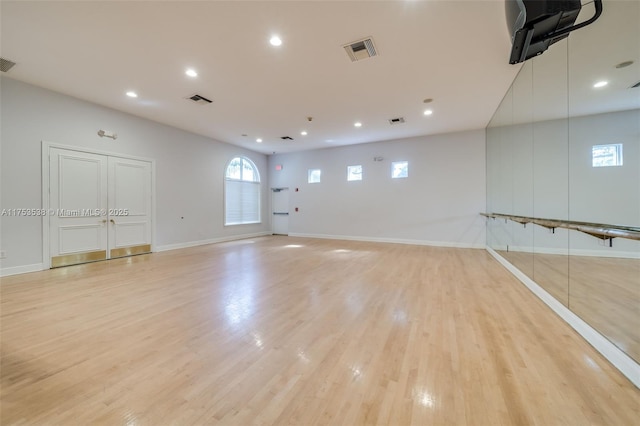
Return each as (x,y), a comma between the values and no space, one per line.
(241,192)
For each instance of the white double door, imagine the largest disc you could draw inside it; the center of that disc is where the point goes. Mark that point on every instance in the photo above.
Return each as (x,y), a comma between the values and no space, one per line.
(100,207)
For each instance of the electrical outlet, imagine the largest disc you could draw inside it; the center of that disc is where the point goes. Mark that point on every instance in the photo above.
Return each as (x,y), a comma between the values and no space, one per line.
(3,254)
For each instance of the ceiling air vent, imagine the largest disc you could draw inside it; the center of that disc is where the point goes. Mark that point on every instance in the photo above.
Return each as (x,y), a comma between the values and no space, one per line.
(200,99)
(286,138)
(398,120)
(361,49)
(6,65)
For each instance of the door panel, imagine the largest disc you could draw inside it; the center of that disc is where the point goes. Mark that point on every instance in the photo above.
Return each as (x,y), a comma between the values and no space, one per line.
(81,182)
(77,201)
(280,209)
(77,238)
(131,185)
(131,233)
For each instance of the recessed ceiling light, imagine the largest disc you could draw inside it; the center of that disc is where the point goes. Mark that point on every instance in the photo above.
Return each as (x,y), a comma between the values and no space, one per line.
(428,112)
(259,140)
(132,94)
(191,72)
(357,124)
(275,41)
(303,133)
(600,84)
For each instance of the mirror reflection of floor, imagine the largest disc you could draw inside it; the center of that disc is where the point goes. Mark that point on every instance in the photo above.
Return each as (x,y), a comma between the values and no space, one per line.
(604,292)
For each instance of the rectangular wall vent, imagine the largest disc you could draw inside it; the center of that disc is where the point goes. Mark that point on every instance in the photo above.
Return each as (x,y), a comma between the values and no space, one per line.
(397,120)
(6,65)
(361,49)
(200,99)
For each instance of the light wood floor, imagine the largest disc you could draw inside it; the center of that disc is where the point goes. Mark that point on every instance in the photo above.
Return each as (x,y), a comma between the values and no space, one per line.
(282,330)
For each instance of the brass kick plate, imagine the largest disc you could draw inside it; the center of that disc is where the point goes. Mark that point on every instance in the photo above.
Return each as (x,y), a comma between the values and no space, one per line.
(76,258)
(130,251)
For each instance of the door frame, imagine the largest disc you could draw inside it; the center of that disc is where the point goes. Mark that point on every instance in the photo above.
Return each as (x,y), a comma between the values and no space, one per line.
(46,148)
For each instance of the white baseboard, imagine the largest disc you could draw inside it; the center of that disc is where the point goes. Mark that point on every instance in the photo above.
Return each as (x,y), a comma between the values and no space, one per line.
(24,269)
(209,241)
(611,352)
(391,240)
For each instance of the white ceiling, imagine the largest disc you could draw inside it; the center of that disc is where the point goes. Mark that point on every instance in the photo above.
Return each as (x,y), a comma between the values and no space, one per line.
(455,52)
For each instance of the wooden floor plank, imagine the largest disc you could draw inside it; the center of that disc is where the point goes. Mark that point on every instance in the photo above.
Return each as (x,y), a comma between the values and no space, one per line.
(283,330)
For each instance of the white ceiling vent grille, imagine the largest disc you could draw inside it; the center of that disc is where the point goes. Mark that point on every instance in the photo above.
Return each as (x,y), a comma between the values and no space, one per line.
(201,100)
(361,49)
(398,120)
(6,65)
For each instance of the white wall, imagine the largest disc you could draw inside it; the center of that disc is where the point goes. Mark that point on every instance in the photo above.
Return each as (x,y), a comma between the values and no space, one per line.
(189,169)
(439,203)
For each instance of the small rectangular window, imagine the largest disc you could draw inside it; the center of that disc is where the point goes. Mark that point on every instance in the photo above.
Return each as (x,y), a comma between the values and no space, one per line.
(399,169)
(606,155)
(314,175)
(354,172)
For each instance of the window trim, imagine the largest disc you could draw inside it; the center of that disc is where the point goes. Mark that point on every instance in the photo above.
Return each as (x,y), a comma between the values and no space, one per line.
(618,156)
(393,163)
(356,174)
(309,172)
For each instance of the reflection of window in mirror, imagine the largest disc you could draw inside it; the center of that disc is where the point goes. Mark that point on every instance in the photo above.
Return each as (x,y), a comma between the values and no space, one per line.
(400,169)
(354,172)
(314,175)
(607,155)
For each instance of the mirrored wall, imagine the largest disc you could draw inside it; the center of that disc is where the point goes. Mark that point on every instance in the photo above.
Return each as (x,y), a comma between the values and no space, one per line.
(564,144)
